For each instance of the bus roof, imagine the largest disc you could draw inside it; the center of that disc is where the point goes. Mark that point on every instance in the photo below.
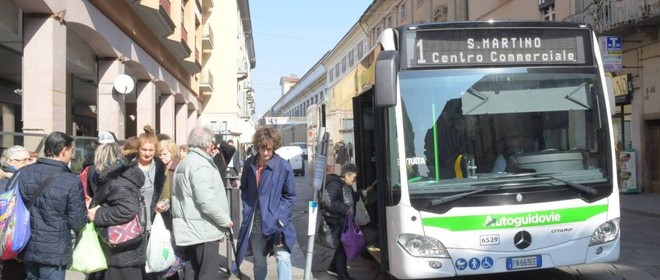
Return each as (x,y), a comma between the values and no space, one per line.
(495,23)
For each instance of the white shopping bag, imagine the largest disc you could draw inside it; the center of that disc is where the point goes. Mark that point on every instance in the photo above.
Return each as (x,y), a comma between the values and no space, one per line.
(160,254)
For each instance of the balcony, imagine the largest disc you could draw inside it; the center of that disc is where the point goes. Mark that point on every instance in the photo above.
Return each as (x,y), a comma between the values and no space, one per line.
(206,4)
(207,37)
(177,44)
(206,83)
(192,63)
(612,17)
(198,10)
(156,14)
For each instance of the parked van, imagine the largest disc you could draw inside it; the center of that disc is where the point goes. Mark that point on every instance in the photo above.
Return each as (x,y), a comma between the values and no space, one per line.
(294,155)
(303,146)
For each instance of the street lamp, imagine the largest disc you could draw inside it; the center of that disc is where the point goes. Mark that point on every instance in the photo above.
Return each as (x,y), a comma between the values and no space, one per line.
(124,84)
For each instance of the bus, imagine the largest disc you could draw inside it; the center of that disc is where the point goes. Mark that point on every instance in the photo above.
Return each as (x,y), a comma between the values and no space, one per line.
(489,145)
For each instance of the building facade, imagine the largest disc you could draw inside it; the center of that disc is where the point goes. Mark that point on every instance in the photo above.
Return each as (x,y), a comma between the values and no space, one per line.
(228,105)
(83,66)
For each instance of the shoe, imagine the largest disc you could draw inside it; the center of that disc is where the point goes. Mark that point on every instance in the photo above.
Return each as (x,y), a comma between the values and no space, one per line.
(331,271)
(345,277)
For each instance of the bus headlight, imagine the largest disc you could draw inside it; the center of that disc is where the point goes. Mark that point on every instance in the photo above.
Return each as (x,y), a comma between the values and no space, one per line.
(606,232)
(422,246)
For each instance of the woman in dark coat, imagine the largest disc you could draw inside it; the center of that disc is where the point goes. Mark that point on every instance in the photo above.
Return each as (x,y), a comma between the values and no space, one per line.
(339,201)
(116,203)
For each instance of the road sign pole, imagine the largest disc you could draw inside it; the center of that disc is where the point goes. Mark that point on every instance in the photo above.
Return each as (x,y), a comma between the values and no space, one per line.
(320,162)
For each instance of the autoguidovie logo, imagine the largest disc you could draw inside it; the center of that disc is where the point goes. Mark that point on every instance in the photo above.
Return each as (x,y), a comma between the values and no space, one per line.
(522,220)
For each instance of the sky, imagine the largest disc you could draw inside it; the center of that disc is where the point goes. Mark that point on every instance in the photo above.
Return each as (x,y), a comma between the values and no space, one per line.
(290,36)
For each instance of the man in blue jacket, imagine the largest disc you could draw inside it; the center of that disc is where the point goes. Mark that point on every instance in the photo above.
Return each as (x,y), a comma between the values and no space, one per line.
(59,209)
(268,192)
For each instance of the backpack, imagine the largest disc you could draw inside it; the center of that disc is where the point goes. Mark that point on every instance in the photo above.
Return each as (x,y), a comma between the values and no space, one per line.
(15,216)
(89,180)
(84,179)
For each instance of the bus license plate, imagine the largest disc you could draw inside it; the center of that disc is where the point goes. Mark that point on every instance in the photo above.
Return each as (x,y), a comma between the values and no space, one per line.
(523,262)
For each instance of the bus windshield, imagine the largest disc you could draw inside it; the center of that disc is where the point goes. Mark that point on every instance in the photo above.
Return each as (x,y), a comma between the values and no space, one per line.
(465,128)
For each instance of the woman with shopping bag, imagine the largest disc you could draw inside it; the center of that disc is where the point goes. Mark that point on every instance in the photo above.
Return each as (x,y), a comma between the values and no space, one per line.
(338,201)
(116,203)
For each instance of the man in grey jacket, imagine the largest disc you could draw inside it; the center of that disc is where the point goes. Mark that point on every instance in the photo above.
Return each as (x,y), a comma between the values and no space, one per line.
(199,206)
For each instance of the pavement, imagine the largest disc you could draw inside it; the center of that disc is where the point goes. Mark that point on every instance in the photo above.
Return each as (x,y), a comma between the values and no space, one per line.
(367,269)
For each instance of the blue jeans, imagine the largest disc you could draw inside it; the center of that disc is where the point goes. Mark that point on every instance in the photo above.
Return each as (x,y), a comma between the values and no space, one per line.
(38,271)
(283,257)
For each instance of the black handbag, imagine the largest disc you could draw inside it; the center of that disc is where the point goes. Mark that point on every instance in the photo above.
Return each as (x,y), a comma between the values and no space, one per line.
(328,235)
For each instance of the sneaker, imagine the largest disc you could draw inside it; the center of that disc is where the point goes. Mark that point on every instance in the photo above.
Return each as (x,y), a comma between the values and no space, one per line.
(331,271)
(345,277)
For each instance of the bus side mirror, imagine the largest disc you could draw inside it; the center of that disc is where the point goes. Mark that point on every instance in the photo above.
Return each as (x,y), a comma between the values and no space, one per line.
(386,78)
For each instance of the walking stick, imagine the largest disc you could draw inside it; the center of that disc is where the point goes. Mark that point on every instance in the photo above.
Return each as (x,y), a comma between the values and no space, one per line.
(231,242)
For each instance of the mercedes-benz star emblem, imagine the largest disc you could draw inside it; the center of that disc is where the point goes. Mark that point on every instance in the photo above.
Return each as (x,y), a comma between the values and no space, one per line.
(522,240)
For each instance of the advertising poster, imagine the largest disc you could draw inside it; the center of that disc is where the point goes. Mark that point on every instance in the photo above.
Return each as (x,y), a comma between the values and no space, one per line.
(627,172)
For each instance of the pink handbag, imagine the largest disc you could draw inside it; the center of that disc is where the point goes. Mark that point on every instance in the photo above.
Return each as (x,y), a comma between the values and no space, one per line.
(127,234)
(123,235)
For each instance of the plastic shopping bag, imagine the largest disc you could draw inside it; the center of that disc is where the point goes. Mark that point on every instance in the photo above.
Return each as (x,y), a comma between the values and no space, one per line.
(352,238)
(160,254)
(179,263)
(88,255)
(361,214)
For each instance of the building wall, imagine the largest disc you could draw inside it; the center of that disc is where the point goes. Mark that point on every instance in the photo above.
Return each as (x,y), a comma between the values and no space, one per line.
(229,64)
(117,38)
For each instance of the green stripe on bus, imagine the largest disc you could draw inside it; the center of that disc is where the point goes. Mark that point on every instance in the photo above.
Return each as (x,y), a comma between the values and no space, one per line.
(515,220)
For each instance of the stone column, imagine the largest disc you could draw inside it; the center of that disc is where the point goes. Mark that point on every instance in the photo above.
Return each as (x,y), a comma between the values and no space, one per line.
(8,120)
(146,106)
(44,76)
(167,114)
(111,107)
(182,128)
(192,121)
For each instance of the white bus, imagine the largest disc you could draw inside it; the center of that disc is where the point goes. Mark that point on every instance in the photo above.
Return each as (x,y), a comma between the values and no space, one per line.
(491,147)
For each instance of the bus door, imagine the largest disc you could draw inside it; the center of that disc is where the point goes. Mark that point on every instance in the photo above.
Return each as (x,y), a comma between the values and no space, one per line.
(365,159)
(364,147)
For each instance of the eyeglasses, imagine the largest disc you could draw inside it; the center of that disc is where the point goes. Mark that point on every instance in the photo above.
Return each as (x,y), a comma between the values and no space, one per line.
(21,160)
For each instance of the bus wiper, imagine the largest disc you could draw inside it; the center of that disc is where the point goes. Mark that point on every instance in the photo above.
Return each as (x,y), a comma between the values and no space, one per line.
(455,197)
(582,188)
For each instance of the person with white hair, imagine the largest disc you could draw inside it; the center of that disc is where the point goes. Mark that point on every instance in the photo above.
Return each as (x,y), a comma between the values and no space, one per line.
(200,211)
(12,159)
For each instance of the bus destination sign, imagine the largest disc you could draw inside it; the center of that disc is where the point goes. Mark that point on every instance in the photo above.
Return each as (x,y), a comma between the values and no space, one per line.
(465,47)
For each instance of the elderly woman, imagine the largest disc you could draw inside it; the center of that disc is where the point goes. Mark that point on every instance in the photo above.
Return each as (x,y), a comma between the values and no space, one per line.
(338,203)
(13,158)
(169,157)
